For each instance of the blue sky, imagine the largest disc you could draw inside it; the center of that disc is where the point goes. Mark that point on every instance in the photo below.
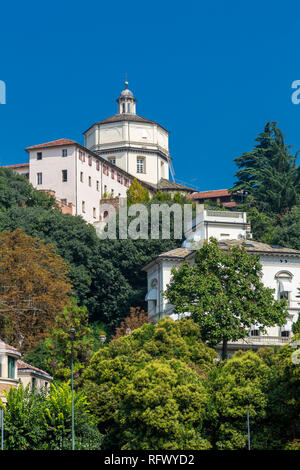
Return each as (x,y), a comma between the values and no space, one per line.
(213,73)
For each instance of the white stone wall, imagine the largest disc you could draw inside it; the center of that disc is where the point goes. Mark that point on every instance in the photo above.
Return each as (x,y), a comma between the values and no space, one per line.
(51,166)
(145,136)
(81,188)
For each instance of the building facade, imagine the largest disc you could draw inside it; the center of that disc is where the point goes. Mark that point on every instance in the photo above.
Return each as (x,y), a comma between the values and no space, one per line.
(280,272)
(13,371)
(137,145)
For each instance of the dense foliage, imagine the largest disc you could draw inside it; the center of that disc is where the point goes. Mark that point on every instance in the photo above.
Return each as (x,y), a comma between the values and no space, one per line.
(34,288)
(147,389)
(40,421)
(224,294)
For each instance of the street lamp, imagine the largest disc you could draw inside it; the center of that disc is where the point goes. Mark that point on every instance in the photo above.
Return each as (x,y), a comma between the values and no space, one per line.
(72,333)
(102,337)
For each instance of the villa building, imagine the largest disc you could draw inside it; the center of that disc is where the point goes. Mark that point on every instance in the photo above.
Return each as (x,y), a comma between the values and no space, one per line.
(280,272)
(13,371)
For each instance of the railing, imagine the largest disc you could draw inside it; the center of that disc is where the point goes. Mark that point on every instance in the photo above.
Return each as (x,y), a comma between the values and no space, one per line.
(263,340)
(234,215)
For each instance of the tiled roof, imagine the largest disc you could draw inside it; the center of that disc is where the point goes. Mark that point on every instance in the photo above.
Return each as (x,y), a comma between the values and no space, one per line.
(165,184)
(8,347)
(250,245)
(24,366)
(53,143)
(258,247)
(125,117)
(18,165)
(210,194)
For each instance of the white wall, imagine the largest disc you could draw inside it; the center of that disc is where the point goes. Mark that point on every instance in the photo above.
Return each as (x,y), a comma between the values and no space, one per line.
(75,190)
(51,167)
(145,136)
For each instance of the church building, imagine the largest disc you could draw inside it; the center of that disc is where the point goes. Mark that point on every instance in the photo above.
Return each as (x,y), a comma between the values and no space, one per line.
(116,150)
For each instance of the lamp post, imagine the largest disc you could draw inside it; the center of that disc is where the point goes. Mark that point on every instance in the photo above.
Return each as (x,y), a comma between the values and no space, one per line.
(102,337)
(72,332)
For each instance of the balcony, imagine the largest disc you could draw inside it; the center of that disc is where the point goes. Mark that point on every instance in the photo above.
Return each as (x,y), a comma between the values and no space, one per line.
(260,341)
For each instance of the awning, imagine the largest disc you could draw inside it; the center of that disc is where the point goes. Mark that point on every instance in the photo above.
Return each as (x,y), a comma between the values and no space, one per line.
(285,286)
(152,294)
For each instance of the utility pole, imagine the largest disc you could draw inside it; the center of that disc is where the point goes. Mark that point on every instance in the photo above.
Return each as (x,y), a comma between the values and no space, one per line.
(248,427)
(72,331)
(2,428)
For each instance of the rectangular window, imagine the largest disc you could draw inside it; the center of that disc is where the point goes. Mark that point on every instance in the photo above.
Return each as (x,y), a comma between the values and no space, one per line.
(64,152)
(83,206)
(33,383)
(39,156)
(140,166)
(64,201)
(11,367)
(64,174)
(113,174)
(97,185)
(285,334)
(97,165)
(112,160)
(90,181)
(254,332)
(90,161)
(81,176)
(39,178)
(94,212)
(119,178)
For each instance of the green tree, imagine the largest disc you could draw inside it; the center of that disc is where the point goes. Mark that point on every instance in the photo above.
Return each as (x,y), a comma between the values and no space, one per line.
(16,191)
(287,233)
(137,193)
(269,173)
(236,386)
(147,389)
(60,340)
(57,415)
(42,421)
(23,421)
(224,294)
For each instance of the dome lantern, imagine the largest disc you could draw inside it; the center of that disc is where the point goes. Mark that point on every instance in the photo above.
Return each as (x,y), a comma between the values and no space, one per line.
(126,101)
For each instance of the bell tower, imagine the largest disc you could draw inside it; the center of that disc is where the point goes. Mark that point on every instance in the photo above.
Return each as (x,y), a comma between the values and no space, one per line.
(126,101)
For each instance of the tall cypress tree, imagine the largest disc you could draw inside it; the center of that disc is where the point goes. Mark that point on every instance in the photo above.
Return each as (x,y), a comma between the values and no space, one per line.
(269,173)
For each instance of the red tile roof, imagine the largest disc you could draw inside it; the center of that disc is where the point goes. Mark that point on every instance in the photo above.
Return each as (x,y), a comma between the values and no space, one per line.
(209,194)
(18,165)
(53,143)
(8,347)
(23,365)
(229,204)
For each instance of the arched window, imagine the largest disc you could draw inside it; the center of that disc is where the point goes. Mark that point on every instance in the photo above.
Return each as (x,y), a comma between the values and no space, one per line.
(128,108)
(284,280)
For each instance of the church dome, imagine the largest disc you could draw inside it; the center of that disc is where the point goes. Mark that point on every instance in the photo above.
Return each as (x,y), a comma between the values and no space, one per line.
(127,92)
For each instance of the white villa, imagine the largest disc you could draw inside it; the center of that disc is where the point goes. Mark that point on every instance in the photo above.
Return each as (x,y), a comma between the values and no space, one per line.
(281,271)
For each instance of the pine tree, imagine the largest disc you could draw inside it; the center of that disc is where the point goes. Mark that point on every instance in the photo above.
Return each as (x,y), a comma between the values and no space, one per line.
(268,174)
